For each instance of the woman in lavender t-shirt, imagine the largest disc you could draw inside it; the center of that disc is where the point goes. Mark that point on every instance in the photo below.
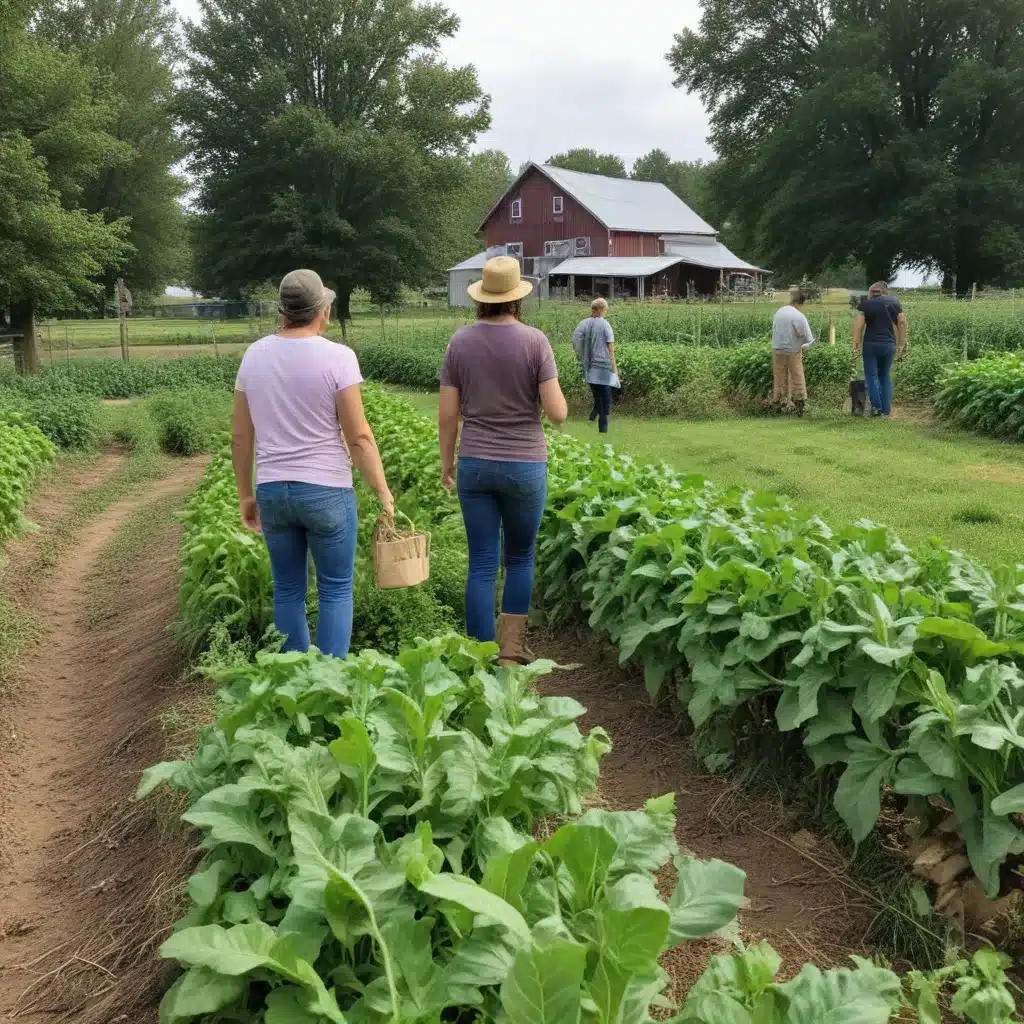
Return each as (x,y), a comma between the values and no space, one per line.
(296,394)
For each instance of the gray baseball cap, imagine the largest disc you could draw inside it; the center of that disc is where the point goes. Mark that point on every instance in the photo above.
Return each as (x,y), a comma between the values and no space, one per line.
(303,295)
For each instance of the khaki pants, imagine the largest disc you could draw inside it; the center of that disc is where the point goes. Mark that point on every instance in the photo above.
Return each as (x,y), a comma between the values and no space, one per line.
(788,369)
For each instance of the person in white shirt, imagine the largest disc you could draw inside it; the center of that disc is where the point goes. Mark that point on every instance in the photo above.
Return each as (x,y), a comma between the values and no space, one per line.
(791,338)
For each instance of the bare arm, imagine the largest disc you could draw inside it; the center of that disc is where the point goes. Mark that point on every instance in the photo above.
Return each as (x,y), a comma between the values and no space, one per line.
(552,401)
(362,445)
(448,432)
(243,457)
(902,331)
(858,334)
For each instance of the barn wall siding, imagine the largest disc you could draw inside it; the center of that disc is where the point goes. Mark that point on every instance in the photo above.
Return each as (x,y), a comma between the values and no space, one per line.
(540,224)
(625,243)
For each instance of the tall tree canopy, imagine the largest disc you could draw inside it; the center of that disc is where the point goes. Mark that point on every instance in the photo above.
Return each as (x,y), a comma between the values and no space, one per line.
(590,162)
(328,134)
(54,141)
(889,132)
(487,178)
(133,47)
(688,179)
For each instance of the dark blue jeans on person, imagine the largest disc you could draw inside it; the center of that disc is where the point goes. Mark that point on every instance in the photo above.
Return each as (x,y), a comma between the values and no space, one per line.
(496,498)
(300,519)
(602,405)
(878,359)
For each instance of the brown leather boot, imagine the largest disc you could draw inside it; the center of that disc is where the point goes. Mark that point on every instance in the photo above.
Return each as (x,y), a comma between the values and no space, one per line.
(512,641)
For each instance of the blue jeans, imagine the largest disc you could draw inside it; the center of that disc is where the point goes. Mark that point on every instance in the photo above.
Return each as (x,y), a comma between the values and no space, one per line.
(297,519)
(500,497)
(878,359)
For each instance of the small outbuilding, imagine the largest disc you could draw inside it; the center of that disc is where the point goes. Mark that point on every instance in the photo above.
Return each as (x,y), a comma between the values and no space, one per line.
(462,276)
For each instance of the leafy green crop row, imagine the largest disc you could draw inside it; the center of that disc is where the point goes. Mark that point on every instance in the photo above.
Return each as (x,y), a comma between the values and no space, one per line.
(24,453)
(986,396)
(112,378)
(900,667)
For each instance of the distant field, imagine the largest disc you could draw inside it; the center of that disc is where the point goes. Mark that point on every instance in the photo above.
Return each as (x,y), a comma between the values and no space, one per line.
(987,324)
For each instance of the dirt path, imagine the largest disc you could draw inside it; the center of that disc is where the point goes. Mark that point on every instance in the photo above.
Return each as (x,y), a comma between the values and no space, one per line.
(78,865)
(799,897)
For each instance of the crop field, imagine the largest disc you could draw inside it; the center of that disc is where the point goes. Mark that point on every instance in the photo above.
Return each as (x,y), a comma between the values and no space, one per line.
(984,325)
(415,835)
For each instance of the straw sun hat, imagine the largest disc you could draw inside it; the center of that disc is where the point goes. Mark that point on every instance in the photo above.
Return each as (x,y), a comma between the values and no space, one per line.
(503,282)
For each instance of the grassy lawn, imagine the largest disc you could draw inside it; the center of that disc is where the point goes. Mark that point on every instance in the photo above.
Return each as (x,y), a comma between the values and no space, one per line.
(922,481)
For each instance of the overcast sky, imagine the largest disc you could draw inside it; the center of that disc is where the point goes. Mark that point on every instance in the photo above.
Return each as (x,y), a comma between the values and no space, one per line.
(566,73)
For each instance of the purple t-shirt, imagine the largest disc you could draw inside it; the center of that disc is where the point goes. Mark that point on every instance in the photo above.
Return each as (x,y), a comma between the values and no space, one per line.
(498,370)
(291,386)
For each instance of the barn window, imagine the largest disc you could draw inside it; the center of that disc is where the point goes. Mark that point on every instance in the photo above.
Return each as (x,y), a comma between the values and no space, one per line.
(517,209)
(514,249)
(558,204)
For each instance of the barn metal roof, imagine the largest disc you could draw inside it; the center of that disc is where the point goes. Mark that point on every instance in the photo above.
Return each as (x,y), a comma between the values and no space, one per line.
(622,204)
(616,266)
(473,263)
(716,256)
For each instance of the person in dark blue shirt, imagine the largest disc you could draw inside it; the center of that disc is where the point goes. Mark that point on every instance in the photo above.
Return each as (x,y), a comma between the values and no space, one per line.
(880,333)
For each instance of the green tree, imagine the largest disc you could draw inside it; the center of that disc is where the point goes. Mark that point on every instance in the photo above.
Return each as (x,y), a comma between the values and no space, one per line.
(886,132)
(590,162)
(690,180)
(325,134)
(54,141)
(133,47)
(487,178)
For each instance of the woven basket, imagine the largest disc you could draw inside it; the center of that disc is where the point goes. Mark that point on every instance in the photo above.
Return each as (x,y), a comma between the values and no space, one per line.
(400,558)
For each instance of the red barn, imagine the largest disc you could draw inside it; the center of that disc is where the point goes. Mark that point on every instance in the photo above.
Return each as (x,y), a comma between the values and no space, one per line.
(608,236)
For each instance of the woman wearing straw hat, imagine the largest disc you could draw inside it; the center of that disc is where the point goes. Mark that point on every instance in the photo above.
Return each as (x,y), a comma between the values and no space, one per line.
(294,389)
(498,376)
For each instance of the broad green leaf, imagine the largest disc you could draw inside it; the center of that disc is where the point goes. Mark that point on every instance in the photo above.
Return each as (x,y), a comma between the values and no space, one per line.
(544,986)
(835,718)
(228,823)
(230,951)
(587,852)
(915,778)
(934,749)
(168,771)
(485,958)
(505,875)
(198,991)
(708,896)
(287,1005)
(205,886)
(464,892)
(858,795)
(1010,802)
(353,751)
(868,995)
(634,923)
(874,701)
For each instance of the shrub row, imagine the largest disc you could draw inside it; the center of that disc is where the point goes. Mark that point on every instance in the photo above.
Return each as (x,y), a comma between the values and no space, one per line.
(677,378)
(986,396)
(112,378)
(24,453)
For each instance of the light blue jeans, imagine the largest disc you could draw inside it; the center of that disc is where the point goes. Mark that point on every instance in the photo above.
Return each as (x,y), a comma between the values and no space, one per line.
(299,519)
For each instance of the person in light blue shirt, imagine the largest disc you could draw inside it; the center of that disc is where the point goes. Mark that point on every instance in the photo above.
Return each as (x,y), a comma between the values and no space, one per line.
(594,342)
